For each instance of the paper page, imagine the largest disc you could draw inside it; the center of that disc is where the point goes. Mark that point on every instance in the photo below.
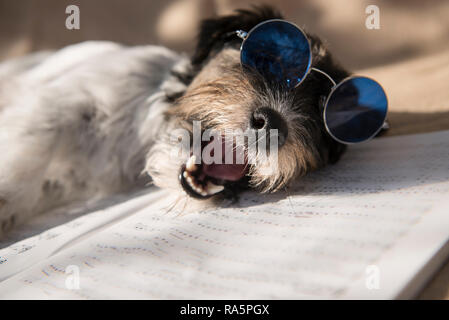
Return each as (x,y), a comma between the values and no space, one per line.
(23,254)
(363,228)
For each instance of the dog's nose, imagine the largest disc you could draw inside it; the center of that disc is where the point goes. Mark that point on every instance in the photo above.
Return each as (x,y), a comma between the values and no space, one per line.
(267,118)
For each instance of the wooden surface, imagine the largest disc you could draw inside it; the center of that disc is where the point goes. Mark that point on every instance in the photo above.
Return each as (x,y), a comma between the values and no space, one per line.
(418,92)
(438,287)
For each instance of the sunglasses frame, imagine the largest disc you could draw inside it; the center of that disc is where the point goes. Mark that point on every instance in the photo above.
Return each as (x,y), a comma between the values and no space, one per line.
(245,35)
(326,103)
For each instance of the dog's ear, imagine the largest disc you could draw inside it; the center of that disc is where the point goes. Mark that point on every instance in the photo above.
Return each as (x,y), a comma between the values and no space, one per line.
(215,33)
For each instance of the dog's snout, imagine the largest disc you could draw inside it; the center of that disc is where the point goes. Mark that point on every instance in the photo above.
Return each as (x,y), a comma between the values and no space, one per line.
(267,118)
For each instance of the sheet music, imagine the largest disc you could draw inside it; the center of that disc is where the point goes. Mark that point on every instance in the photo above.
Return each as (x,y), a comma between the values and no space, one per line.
(382,211)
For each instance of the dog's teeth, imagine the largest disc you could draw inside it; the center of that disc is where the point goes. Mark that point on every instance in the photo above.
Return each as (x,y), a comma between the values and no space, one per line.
(190,165)
(213,188)
(191,180)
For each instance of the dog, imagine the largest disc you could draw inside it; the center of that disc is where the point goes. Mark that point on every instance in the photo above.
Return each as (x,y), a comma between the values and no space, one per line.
(95,119)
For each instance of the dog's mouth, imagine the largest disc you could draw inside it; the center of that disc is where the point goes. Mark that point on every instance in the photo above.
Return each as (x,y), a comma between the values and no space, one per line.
(203,180)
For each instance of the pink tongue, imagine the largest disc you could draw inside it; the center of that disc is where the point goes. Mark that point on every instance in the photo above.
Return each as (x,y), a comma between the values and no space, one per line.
(231,172)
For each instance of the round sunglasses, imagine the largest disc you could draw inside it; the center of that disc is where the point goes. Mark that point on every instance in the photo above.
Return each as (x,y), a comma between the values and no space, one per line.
(355,109)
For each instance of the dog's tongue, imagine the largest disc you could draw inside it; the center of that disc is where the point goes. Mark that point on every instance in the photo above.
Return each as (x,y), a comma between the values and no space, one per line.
(224,171)
(230,172)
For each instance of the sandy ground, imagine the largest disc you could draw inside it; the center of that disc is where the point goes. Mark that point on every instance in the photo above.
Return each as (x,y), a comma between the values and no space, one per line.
(409,54)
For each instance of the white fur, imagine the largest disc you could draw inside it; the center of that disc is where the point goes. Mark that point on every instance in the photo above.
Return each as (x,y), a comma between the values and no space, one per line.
(78,123)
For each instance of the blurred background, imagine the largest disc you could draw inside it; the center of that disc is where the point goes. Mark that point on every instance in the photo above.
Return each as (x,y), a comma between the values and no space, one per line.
(408,55)
(408,28)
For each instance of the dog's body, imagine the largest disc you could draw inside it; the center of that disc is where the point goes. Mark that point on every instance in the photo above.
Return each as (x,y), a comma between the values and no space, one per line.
(79,123)
(89,120)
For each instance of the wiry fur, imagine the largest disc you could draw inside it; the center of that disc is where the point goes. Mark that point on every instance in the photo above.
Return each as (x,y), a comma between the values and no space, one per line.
(88,120)
(227,103)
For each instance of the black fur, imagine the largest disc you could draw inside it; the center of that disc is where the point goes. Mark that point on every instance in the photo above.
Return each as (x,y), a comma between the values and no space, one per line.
(218,32)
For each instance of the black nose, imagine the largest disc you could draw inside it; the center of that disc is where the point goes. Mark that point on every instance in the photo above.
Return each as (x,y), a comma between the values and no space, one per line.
(267,118)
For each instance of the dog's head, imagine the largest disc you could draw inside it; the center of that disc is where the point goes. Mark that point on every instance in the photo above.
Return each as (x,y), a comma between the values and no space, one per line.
(229,100)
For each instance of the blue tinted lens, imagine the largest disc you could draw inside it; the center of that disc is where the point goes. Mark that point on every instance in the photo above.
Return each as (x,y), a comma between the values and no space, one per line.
(356,110)
(279,51)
